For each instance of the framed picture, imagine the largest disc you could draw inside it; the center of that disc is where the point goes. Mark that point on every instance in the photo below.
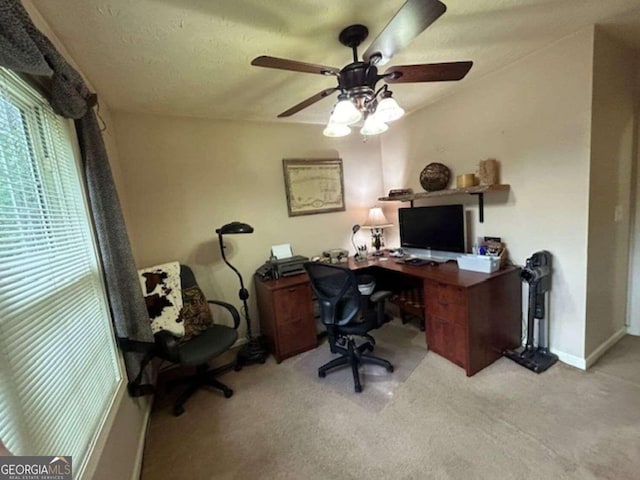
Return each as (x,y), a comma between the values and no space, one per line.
(313,186)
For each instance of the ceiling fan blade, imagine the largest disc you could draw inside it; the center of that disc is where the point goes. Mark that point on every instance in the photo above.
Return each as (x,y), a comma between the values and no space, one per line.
(309,101)
(409,22)
(428,72)
(284,64)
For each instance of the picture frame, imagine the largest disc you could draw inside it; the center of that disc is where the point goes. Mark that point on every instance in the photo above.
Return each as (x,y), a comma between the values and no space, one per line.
(313,186)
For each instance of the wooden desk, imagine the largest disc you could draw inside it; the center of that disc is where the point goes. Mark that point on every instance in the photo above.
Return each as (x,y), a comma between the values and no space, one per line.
(470,317)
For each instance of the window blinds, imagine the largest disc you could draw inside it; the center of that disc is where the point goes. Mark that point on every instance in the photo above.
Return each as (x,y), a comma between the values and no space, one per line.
(59,370)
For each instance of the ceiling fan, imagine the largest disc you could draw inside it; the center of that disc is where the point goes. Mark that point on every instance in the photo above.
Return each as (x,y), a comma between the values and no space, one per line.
(357,81)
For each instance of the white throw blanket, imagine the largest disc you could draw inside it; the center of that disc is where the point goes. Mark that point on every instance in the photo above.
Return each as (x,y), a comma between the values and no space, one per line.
(162,292)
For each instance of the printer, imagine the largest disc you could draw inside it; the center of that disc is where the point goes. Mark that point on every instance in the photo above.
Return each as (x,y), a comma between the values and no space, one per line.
(275,268)
(285,267)
(282,263)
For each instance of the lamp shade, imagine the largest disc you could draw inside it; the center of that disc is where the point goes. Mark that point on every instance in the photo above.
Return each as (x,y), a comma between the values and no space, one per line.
(336,130)
(376,219)
(373,126)
(388,110)
(345,113)
(234,227)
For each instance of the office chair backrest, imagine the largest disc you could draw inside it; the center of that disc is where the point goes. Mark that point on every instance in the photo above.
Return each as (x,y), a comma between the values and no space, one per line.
(337,291)
(187,278)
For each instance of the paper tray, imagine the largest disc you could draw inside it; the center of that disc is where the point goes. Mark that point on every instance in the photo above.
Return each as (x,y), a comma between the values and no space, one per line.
(479,263)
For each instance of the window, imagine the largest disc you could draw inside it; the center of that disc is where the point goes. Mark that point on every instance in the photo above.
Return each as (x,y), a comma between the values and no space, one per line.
(59,370)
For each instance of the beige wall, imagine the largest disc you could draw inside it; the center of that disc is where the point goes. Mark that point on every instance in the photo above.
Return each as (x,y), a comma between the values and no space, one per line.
(185,177)
(613,131)
(534,117)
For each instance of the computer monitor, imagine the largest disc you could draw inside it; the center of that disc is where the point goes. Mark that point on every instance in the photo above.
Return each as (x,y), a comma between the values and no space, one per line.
(439,228)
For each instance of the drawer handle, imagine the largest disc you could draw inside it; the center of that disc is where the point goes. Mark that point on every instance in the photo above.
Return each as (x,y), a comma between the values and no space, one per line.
(291,289)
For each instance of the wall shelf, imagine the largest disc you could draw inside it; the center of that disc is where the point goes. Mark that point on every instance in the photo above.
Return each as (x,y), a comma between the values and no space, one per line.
(478,190)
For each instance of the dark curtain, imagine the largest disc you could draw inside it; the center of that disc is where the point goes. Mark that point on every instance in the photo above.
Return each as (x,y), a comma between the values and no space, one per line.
(23,48)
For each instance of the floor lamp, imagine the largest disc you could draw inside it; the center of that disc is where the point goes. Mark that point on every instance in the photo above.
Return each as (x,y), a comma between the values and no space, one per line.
(251,352)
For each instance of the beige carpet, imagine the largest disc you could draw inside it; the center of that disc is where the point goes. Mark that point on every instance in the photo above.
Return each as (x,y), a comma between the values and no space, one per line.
(503,423)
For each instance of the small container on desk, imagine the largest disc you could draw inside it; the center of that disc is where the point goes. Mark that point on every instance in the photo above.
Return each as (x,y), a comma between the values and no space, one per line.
(479,263)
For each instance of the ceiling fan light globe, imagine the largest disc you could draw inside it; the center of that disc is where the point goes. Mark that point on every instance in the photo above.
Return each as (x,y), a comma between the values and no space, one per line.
(336,130)
(345,113)
(388,110)
(373,126)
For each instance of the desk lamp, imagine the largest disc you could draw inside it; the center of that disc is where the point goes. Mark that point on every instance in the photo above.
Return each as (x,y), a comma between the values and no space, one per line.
(376,222)
(251,352)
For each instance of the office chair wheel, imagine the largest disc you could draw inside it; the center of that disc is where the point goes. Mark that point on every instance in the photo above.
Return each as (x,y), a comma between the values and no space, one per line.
(358,388)
(390,369)
(262,360)
(322,374)
(178,410)
(237,367)
(228,393)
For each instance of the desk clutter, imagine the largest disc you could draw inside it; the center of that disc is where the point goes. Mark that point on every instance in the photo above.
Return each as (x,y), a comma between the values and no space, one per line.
(479,263)
(489,255)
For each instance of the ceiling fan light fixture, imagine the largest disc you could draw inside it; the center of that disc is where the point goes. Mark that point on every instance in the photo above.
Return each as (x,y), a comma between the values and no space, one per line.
(388,109)
(336,130)
(359,97)
(345,112)
(373,126)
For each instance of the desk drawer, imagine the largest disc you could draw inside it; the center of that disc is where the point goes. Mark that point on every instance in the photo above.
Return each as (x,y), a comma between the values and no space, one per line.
(449,311)
(449,339)
(292,303)
(444,294)
(296,336)
(447,321)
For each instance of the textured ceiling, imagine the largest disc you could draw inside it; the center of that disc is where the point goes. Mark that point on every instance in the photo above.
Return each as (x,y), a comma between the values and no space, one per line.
(192,57)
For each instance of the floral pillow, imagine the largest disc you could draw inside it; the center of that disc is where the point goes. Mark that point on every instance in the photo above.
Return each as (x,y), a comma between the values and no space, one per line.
(196,314)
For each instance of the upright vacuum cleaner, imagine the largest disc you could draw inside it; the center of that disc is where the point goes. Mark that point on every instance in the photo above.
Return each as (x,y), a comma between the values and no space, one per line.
(535,355)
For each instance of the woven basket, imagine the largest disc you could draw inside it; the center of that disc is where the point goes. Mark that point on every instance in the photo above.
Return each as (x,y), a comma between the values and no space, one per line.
(435,176)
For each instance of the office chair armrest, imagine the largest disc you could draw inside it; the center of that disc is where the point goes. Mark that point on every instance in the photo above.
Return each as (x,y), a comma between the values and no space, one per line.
(232,310)
(380,296)
(167,346)
(378,299)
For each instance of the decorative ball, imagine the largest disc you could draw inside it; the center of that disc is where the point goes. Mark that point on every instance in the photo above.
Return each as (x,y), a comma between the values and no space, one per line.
(435,176)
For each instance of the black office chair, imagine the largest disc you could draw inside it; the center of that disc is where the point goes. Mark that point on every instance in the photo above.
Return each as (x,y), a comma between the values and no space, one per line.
(346,314)
(203,341)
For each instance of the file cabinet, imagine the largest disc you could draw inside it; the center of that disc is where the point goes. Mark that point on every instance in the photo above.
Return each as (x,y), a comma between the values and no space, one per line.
(285,308)
(472,323)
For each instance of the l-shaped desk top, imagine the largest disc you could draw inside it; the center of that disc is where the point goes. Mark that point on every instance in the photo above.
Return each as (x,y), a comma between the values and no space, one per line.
(470,317)
(447,272)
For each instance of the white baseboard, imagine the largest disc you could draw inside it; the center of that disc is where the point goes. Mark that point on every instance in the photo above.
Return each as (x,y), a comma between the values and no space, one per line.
(137,471)
(585,363)
(606,345)
(572,360)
